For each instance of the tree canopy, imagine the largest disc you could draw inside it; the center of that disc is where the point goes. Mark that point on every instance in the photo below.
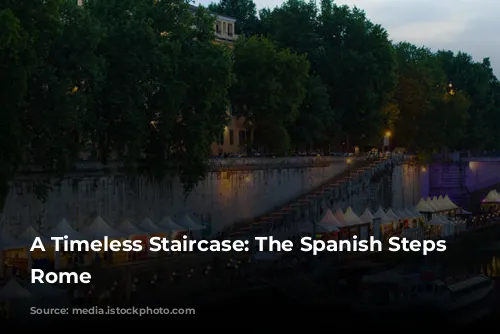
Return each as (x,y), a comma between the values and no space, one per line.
(143,83)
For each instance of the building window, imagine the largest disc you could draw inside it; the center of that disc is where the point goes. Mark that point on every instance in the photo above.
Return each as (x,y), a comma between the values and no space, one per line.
(231,137)
(217,27)
(242,137)
(230,29)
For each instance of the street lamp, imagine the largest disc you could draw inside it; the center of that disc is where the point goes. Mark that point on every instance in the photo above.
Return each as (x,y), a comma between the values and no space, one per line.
(387,137)
(349,162)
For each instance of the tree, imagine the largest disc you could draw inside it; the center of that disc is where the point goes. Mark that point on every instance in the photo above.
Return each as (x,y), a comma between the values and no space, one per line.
(315,125)
(244,11)
(50,46)
(114,76)
(294,25)
(358,65)
(150,107)
(478,82)
(14,70)
(270,85)
(433,114)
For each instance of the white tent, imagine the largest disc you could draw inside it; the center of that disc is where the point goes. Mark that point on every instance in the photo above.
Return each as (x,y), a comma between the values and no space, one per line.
(352,218)
(440,203)
(7,241)
(492,197)
(168,225)
(64,228)
(436,221)
(100,229)
(447,225)
(339,215)
(189,224)
(367,217)
(13,290)
(392,215)
(433,203)
(380,213)
(449,203)
(410,213)
(423,206)
(329,221)
(127,228)
(415,211)
(150,227)
(27,238)
(401,213)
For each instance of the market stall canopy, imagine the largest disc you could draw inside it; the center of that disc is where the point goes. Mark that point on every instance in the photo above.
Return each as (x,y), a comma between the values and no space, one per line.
(436,221)
(492,197)
(13,290)
(99,229)
(410,213)
(352,218)
(392,215)
(449,203)
(168,225)
(64,228)
(445,219)
(7,241)
(127,228)
(329,219)
(189,224)
(401,213)
(415,211)
(463,212)
(29,235)
(380,213)
(308,227)
(150,227)
(431,205)
(339,215)
(441,204)
(423,206)
(367,217)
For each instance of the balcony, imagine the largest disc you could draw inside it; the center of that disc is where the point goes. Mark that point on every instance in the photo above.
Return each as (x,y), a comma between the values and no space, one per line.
(229,37)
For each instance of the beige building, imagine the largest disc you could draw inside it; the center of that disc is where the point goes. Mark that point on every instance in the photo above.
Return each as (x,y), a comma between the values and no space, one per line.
(235,136)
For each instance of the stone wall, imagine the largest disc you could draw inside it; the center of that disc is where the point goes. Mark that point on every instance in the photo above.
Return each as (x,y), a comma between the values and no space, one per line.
(227,196)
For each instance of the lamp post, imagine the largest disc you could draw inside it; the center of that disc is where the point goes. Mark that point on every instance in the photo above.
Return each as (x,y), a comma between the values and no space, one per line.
(387,140)
(349,162)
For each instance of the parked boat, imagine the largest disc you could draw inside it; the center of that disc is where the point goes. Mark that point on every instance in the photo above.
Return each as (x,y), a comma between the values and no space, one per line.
(394,291)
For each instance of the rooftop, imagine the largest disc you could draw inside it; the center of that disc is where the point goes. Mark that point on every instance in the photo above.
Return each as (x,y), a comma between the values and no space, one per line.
(224,17)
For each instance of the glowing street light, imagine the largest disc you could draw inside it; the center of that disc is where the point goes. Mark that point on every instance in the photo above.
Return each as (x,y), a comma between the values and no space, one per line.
(349,161)
(388,134)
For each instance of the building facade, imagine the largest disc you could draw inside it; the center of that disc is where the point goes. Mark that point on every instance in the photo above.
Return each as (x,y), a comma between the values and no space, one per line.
(235,137)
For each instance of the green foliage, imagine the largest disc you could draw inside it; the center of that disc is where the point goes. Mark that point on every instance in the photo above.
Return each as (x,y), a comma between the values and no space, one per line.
(142,82)
(269,84)
(114,77)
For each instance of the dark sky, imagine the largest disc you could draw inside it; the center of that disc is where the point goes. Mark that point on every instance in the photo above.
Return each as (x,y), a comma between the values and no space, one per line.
(471,26)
